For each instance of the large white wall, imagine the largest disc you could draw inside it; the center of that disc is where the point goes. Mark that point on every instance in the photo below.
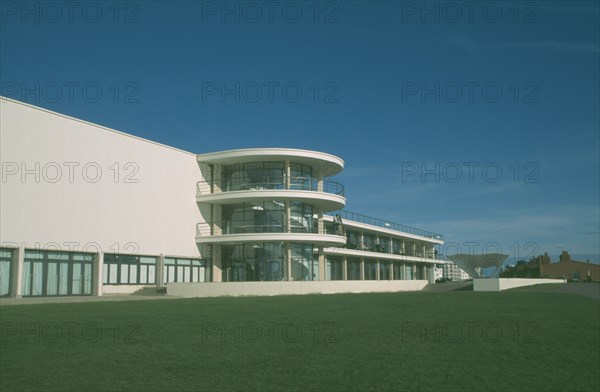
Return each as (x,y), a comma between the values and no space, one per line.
(292,288)
(155,215)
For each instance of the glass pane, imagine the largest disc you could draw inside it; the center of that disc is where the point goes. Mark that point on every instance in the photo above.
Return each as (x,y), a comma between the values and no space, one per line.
(169,261)
(113,274)
(186,276)
(87,278)
(57,256)
(151,274)
(124,274)
(143,274)
(171,275)
(194,274)
(4,277)
(31,254)
(4,253)
(52,279)
(105,273)
(201,275)
(148,260)
(77,279)
(165,274)
(63,279)
(27,278)
(38,278)
(179,274)
(133,274)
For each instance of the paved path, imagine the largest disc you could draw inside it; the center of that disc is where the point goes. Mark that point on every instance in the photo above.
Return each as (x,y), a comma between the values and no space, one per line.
(449,286)
(61,300)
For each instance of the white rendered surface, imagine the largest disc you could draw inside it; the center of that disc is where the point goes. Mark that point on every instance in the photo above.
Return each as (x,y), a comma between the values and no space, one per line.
(499,284)
(142,202)
(288,288)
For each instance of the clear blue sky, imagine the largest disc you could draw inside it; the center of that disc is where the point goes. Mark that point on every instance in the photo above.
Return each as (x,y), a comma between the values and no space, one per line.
(516,101)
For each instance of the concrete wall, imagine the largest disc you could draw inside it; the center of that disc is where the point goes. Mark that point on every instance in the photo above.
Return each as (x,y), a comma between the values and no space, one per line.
(123,288)
(78,186)
(289,288)
(499,284)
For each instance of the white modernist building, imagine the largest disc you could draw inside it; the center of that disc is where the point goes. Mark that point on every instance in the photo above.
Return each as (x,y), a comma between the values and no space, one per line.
(87,210)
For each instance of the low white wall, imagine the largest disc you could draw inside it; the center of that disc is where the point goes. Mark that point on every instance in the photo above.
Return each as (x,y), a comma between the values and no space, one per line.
(287,288)
(498,284)
(122,289)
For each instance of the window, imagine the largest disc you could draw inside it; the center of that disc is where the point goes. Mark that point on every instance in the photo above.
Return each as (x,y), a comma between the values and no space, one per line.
(353,239)
(384,270)
(129,269)
(177,270)
(335,268)
(353,268)
(53,273)
(301,218)
(5,270)
(255,217)
(253,175)
(370,269)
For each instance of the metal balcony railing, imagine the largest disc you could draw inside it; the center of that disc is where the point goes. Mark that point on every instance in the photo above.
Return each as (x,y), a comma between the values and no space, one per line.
(294,183)
(385,224)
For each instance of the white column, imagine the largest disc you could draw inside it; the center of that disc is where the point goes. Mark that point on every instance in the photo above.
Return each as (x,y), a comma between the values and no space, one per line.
(21,260)
(362,268)
(288,262)
(160,270)
(345,268)
(16,271)
(98,288)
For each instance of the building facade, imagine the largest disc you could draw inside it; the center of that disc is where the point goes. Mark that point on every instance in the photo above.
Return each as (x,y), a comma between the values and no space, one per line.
(454,273)
(87,210)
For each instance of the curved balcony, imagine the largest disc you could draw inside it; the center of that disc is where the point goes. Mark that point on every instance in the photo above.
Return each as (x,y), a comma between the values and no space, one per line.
(323,239)
(327,194)
(327,164)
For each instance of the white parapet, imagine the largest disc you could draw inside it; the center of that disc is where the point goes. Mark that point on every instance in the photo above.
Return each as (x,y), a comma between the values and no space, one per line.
(236,289)
(499,284)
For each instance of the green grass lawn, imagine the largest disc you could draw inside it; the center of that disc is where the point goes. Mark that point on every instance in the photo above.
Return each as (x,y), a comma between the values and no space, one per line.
(450,341)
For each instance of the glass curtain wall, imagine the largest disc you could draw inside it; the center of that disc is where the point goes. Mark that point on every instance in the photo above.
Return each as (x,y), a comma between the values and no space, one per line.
(335,268)
(267,261)
(267,217)
(370,269)
(301,177)
(384,270)
(399,273)
(253,175)
(353,268)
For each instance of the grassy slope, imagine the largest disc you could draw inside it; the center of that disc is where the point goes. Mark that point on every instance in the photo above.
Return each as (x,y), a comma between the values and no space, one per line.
(360,346)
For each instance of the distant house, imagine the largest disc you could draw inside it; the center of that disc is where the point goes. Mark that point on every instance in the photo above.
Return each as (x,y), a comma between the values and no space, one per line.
(571,269)
(542,267)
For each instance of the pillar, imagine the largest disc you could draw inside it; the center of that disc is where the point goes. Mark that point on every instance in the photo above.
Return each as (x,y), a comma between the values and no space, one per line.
(160,270)
(362,268)
(98,274)
(321,263)
(217,269)
(16,271)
